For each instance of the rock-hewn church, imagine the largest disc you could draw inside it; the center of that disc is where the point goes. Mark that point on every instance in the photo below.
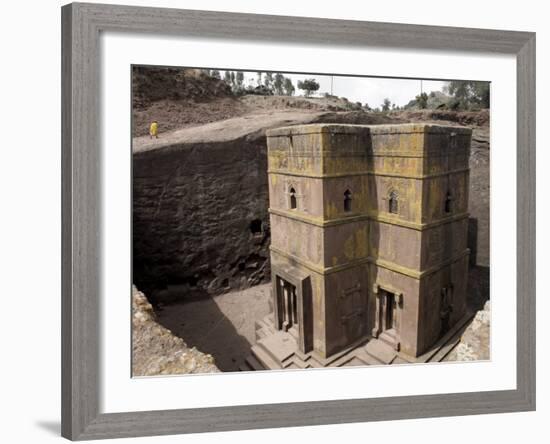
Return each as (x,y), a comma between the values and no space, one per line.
(369,252)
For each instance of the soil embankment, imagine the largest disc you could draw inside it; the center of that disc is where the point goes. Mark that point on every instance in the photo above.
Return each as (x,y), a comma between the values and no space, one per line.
(156,351)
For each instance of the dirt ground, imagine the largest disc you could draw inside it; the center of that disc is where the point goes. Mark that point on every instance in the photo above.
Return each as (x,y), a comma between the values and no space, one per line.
(222,326)
(180,113)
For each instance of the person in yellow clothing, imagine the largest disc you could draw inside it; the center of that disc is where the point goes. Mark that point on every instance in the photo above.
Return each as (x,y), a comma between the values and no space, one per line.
(154,129)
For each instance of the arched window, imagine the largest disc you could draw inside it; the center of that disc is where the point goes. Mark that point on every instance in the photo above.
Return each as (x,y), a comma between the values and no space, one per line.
(347,200)
(393,202)
(292,193)
(448,202)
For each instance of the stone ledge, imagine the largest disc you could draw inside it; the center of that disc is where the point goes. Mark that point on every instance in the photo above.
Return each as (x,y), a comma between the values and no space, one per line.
(415,274)
(375,130)
(323,223)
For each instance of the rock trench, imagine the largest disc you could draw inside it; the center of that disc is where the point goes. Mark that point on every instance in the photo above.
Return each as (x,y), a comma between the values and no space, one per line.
(200,204)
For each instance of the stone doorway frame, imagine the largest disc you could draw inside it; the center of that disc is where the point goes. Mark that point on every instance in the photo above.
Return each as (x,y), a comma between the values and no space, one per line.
(302,284)
(380,311)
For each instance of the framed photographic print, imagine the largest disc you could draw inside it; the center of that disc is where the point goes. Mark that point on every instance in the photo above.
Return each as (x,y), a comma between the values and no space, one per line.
(289,220)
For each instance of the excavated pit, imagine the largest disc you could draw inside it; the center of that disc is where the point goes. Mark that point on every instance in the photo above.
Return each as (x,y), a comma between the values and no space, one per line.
(201,227)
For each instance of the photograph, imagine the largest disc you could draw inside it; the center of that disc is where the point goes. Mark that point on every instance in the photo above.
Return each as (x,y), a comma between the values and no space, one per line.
(295,221)
(253,222)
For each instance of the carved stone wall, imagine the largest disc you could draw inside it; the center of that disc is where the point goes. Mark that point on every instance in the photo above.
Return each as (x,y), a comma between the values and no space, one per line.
(378,208)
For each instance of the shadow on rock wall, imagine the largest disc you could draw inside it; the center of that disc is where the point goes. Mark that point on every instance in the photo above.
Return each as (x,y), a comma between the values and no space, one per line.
(200,217)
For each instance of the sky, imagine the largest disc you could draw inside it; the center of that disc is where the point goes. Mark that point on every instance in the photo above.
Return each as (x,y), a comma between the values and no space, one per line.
(369,90)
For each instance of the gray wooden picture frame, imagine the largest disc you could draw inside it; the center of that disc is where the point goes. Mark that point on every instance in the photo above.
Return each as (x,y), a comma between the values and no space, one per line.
(81,171)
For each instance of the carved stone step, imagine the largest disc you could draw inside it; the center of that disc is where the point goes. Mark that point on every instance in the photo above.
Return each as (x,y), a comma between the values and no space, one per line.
(260,324)
(300,364)
(399,360)
(389,337)
(265,324)
(253,363)
(261,333)
(269,321)
(245,367)
(313,363)
(361,356)
(380,351)
(264,358)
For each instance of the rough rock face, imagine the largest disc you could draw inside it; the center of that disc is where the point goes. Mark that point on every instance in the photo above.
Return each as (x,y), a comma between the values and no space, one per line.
(156,351)
(200,208)
(152,84)
(200,217)
(474,344)
(478,204)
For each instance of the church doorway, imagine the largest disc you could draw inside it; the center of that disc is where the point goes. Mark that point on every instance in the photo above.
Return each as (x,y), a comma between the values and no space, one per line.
(387,319)
(288,303)
(292,306)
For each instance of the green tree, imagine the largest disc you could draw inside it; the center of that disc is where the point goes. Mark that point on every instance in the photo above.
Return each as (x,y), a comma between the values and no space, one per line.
(482,94)
(288,87)
(422,100)
(227,77)
(268,80)
(259,74)
(460,91)
(309,86)
(386,105)
(239,79)
(469,94)
(278,83)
